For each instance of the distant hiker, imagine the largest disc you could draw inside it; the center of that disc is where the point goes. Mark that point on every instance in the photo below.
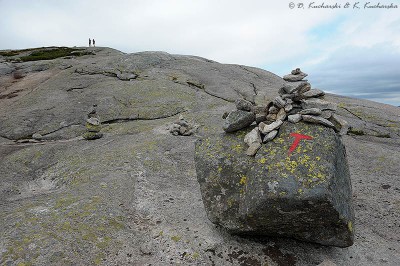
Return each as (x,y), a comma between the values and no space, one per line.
(90,42)
(94,43)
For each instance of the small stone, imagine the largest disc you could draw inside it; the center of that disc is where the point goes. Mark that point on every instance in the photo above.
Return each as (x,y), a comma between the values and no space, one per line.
(253,148)
(181,117)
(126,76)
(244,105)
(296,71)
(303,87)
(297,77)
(260,110)
(37,136)
(237,120)
(281,114)
(317,120)
(288,107)
(270,136)
(289,101)
(326,114)
(225,115)
(253,137)
(294,118)
(93,121)
(92,135)
(271,117)
(260,118)
(265,129)
(341,125)
(287,97)
(273,110)
(147,248)
(313,93)
(93,128)
(311,111)
(318,103)
(279,102)
(182,130)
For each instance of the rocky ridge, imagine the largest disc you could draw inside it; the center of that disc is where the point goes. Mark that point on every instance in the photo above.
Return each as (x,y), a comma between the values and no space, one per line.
(132,197)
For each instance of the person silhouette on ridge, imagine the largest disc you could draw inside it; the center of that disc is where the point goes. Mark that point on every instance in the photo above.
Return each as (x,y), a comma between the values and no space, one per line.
(90,42)
(94,43)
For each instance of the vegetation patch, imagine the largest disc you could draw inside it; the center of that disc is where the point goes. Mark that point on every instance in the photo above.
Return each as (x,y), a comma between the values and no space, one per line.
(53,53)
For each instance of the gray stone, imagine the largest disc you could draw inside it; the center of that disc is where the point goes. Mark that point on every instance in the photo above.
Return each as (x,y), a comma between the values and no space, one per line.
(260,110)
(313,93)
(237,120)
(270,194)
(92,135)
(281,114)
(126,76)
(298,77)
(225,115)
(279,102)
(317,120)
(326,114)
(273,110)
(260,118)
(318,103)
(296,71)
(303,88)
(271,117)
(341,125)
(37,136)
(311,111)
(266,128)
(294,118)
(253,137)
(93,121)
(288,107)
(270,136)
(253,148)
(244,105)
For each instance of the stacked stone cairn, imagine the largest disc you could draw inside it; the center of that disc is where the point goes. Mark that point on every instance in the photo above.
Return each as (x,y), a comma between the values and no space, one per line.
(182,127)
(296,102)
(93,126)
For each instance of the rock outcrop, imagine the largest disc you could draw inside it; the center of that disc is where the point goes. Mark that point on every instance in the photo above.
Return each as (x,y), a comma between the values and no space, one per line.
(293,189)
(132,196)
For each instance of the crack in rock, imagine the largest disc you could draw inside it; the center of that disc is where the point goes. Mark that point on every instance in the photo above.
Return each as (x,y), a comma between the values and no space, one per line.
(138,118)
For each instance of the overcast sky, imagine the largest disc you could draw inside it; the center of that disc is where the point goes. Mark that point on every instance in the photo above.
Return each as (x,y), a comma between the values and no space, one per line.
(349,51)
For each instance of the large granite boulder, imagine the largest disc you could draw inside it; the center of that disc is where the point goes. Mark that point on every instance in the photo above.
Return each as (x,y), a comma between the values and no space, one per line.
(302,192)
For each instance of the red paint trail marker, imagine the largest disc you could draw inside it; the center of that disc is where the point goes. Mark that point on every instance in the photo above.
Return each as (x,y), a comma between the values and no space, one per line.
(297,138)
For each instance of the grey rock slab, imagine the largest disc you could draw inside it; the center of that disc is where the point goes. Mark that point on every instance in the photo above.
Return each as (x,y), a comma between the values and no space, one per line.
(271,195)
(291,77)
(318,103)
(317,120)
(279,102)
(266,128)
(270,136)
(311,111)
(281,115)
(253,137)
(244,105)
(237,120)
(313,93)
(294,118)
(327,114)
(341,125)
(288,107)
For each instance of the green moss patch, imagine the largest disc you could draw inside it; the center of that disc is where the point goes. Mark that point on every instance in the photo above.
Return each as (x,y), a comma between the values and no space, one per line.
(49,54)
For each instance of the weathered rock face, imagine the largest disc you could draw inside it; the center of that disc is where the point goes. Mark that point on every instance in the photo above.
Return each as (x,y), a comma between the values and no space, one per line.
(305,194)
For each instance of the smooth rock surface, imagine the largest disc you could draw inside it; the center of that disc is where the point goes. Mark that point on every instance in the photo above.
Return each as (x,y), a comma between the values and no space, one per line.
(318,103)
(266,128)
(294,118)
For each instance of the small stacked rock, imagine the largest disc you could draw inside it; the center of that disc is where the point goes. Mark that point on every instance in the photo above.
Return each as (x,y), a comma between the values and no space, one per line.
(182,127)
(296,102)
(93,128)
